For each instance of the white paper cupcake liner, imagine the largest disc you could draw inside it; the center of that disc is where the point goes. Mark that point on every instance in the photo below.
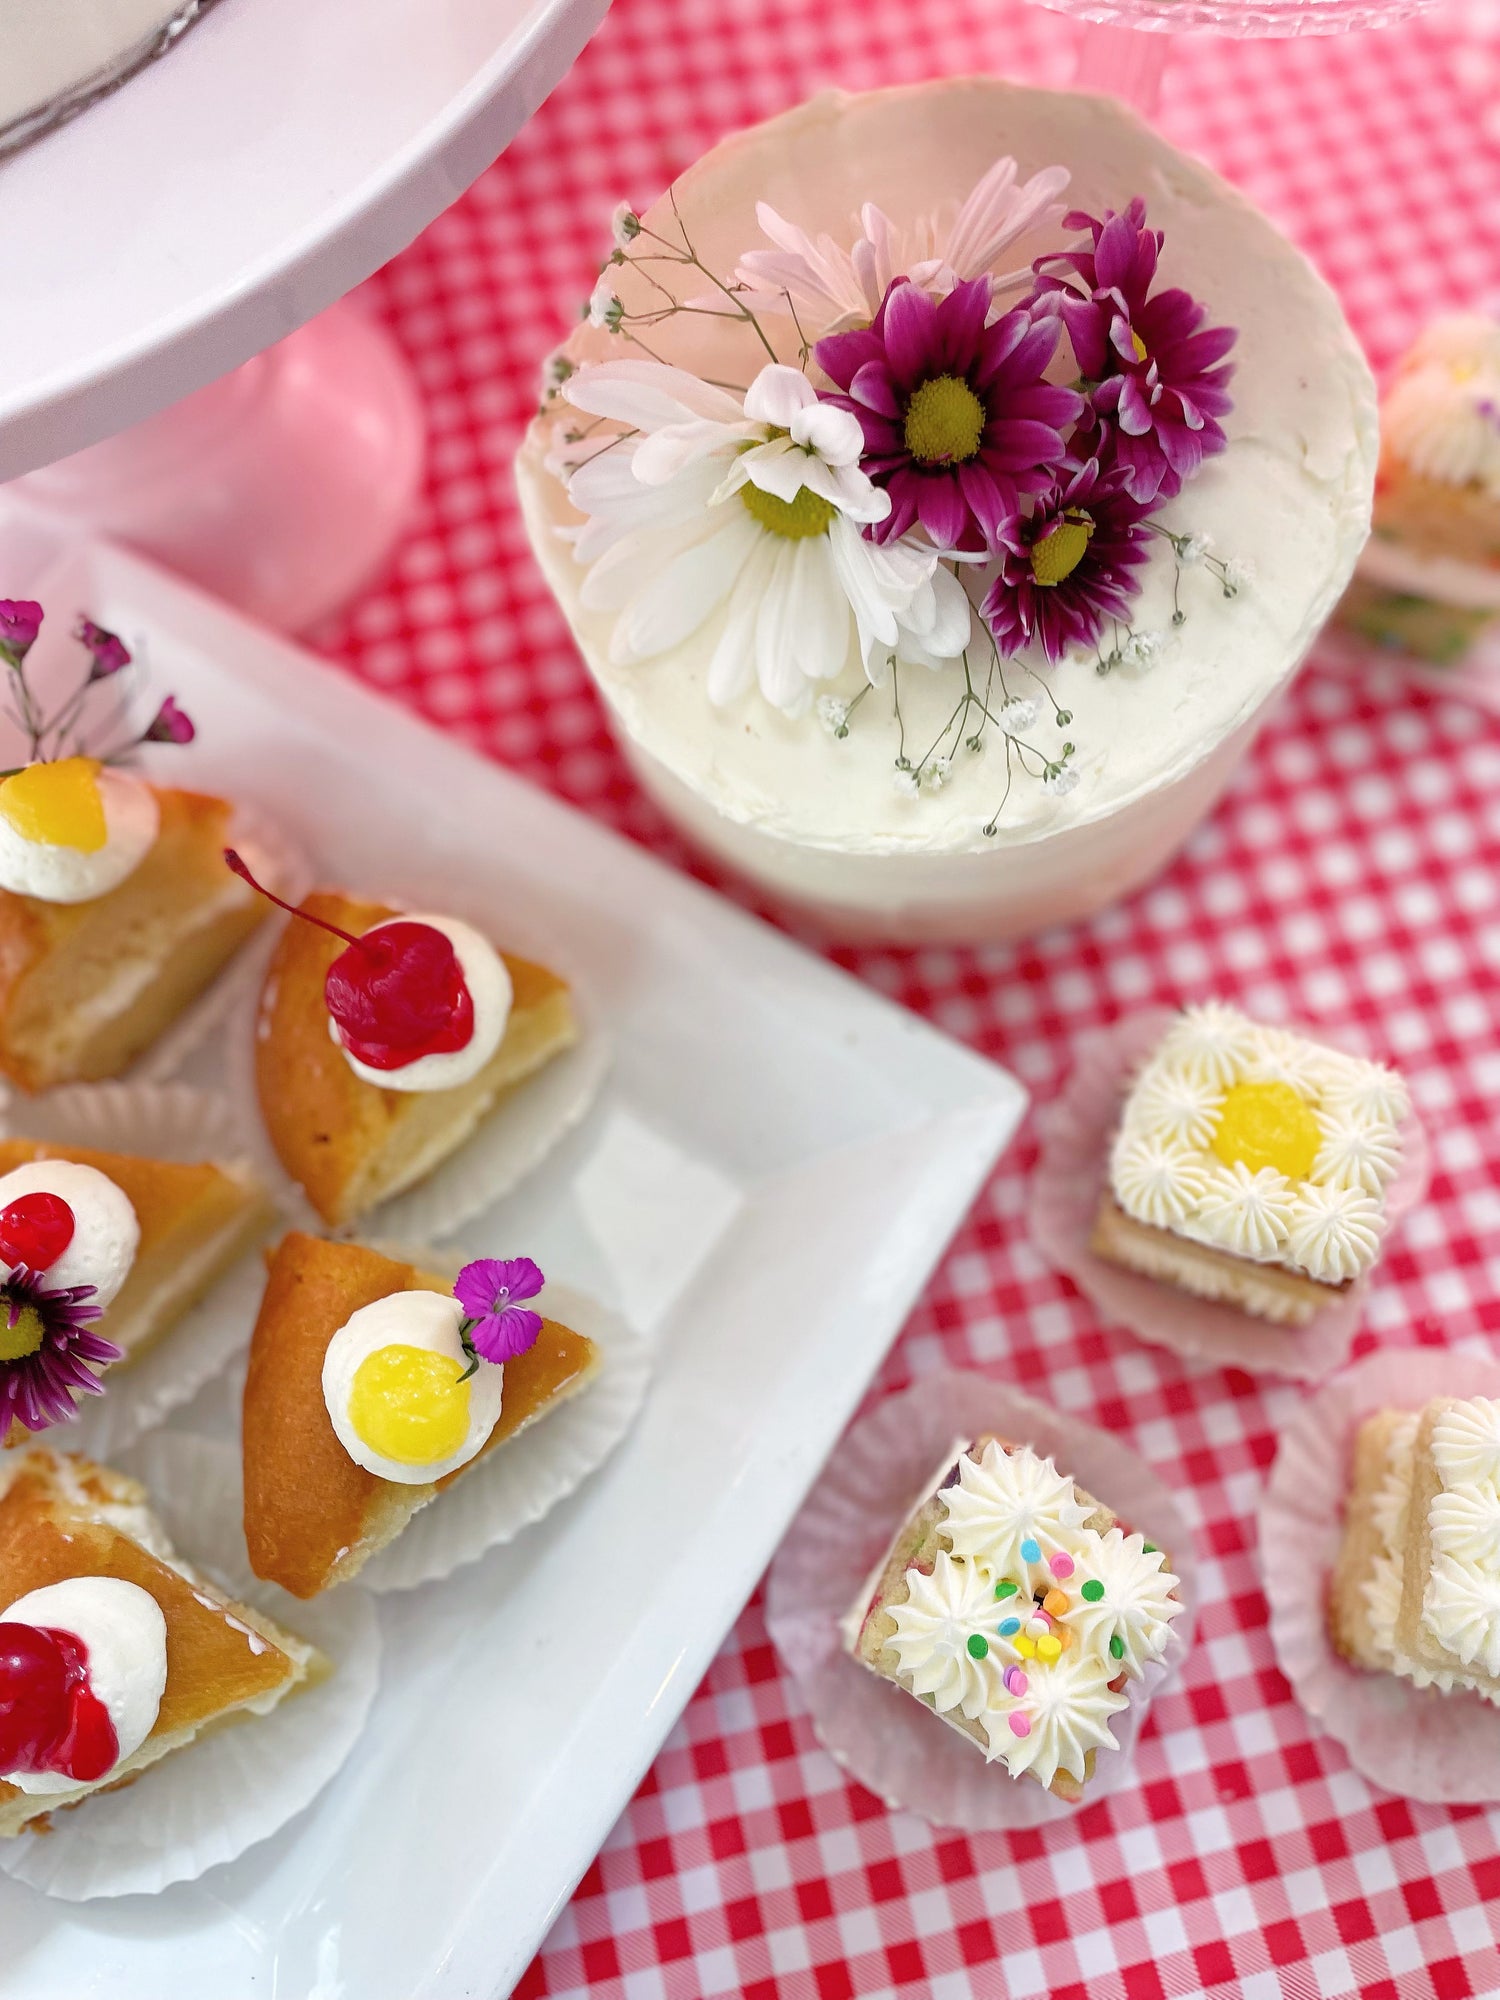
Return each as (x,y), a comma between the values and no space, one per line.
(876,1731)
(1076,1131)
(283,867)
(205,1805)
(1441,1748)
(525,1478)
(510,1143)
(164,1121)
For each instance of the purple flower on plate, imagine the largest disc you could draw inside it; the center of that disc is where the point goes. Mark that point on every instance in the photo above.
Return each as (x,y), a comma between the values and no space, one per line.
(48,1356)
(170,725)
(1149,364)
(20,621)
(109,651)
(1069,566)
(497,1327)
(959,420)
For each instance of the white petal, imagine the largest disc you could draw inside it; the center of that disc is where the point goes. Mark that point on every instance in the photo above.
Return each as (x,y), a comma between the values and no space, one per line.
(779,469)
(732,668)
(874,615)
(648,395)
(676,600)
(777,394)
(832,433)
(668,451)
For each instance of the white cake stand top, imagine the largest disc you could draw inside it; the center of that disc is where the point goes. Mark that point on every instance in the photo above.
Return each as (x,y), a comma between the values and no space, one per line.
(280,154)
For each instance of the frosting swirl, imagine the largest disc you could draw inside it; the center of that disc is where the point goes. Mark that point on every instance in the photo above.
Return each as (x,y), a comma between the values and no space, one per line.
(1465,1522)
(1136,1605)
(1004,1500)
(1247,1213)
(1176,1106)
(1356,1153)
(1441,415)
(1210,1042)
(1156,1180)
(1335,1232)
(1466,1442)
(1058,1717)
(1461,1609)
(1368,1092)
(943,1612)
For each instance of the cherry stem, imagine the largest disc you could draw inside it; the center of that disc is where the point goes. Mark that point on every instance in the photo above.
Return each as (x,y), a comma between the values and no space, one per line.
(236,866)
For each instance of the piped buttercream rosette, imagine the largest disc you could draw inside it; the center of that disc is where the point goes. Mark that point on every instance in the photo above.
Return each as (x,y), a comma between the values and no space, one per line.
(1367,1165)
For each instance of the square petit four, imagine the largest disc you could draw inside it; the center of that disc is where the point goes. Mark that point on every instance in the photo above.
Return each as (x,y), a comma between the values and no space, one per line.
(1017,1608)
(1251,1166)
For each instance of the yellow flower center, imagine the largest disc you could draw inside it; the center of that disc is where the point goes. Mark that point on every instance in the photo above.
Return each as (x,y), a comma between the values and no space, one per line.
(57,804)
(795,520)
(1061,549)
(1138,344)
(1267,1125)
(24,1338)
(408,1404)
(944,422)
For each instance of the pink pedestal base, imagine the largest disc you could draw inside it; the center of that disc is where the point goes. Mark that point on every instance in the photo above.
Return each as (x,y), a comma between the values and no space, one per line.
(283,487)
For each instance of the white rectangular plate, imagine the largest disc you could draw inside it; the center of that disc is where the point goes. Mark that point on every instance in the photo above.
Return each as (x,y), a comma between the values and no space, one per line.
(772,1170)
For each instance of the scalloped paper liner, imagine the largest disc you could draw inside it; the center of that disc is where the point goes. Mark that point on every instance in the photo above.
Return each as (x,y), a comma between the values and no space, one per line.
(1440,1748)
(237,1786)
(508,1146)
(1076,1131)
(525,1479)
(163,1121)
(877,1732)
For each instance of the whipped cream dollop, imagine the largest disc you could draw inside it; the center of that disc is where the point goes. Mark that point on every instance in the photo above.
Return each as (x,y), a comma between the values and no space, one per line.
(60,874)
(1060,1713)
(935,1629)
(1010,1511)
(489,983)
(392,1389)
(1461,1609)
(106,1232)
(1461,1603)
(124,1635)
(1441,415)
(1466,1442)
(1261,1142)
(1384,1587)
(1135,1604)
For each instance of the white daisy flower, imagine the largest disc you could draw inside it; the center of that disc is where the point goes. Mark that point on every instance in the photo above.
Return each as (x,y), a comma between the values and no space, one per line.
(748,510)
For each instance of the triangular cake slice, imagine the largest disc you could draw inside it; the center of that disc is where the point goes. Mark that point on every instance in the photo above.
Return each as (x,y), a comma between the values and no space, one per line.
(195,1220)
(86,987)
(313,1516)
(347,1142)
(62,1517)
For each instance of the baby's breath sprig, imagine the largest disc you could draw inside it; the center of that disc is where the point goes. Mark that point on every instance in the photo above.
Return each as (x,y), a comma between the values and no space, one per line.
(1231,573)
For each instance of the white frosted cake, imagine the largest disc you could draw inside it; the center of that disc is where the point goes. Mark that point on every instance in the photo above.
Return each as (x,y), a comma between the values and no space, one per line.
(58,56)
(1113,679)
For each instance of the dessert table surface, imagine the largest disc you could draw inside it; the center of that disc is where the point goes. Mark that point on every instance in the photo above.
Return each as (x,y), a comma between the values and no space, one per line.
(1352,875)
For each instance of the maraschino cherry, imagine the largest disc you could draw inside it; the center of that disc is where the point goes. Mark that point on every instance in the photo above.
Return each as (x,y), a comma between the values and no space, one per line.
(35,1229)
(50,1718)
(395,995)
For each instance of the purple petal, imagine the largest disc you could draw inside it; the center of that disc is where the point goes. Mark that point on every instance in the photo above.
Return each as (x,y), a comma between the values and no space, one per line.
(871,386)
(490,1284)
(910,331)
(20,621)
(502,1336)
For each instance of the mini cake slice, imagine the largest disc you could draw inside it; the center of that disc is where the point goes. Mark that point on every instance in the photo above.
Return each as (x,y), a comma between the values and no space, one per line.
(1449,1618)
(359,1408)
(1251,1166)
(1017,1608)
(113,1652)
(362,1087)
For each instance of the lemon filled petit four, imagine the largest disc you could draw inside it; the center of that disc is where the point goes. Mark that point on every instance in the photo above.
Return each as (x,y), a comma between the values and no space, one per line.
(1018,1609)
(114,1653)
(1252,1166)
(385,1038)
(114,909)
(373,1385)
(100,1254)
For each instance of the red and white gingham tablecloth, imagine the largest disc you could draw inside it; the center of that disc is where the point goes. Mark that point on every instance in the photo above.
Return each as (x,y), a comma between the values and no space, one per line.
(1353,873)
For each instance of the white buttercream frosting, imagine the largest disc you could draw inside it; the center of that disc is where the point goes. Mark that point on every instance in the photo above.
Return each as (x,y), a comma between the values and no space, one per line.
(1383,1587)
(942,1613)
(425,1320)
(1466,1442)
(1325,1216)
(125,1637)
(489,984)
(1138,1604)
(1004,1500)
(106,1231)
(1461,1609)
(1461,1602)
(1465,1522)
(132,820)
(1441,415)
(1066,1708)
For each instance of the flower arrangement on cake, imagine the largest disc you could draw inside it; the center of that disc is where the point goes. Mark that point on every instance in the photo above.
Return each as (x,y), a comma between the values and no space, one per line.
(846,518)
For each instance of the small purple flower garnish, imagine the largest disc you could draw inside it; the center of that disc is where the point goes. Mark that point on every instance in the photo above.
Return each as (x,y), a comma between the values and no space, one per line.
(20,621)
(48,1356)
(496,1326)
(170,725)
(1069,567)
(109,651)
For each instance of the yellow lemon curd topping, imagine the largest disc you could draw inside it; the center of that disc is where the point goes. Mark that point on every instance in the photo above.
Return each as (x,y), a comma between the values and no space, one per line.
(410,1405)
(57,804)
(1267,1125)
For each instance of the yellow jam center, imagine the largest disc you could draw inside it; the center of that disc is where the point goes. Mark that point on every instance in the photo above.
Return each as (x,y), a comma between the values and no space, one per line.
(1061,549)
(1267,1125)
(408,1404)
(796,520)
(944,421)
(58,805)
(22,1339)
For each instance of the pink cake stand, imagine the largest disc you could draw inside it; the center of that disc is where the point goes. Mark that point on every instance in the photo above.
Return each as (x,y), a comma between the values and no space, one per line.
(163,246)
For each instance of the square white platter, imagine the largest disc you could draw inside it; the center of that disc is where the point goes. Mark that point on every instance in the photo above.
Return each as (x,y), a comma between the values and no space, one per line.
(774,1166)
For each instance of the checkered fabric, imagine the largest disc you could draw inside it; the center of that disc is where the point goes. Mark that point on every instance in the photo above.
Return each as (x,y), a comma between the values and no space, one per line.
(1352,874)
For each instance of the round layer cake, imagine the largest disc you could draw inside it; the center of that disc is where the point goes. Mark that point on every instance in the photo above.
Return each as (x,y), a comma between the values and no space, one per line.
(1089,769)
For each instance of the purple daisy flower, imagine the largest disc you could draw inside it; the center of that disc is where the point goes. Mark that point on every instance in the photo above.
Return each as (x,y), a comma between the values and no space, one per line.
(20,621)
(496,1327)
(109,651)
(1069,566)
(48,1356)
(959,420)
(1147,360)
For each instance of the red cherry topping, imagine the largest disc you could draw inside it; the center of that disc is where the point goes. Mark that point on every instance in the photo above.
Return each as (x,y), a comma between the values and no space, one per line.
(396,994)
(50,1718)
(35,1229)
